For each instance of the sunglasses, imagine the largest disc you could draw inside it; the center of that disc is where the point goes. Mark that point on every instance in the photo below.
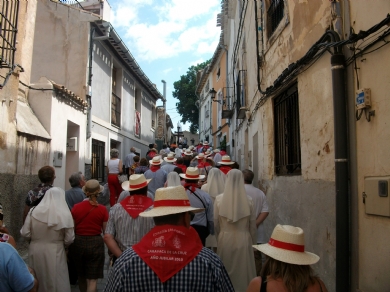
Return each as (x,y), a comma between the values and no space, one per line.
(192,215)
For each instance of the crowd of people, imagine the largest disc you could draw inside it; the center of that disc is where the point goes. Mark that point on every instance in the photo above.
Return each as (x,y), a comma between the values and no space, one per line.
(183,220)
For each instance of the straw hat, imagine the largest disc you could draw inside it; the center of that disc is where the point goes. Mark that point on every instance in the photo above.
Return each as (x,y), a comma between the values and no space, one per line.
(207,153)
(188,152)
(170,158)
(191,147)
(287,244)
(226,160)
(200,156)
(92,187)
(205,143)
(170,200)
(216,150)
(192,173)
(135,182)
(156,160)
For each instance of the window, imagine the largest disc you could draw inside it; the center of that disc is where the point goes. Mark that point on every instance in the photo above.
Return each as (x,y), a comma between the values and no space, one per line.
(8,30)
(287,133)
(218,72)
(275,15)
(240,89)
(153,117)
(207,88)
(97,171)
(115,101)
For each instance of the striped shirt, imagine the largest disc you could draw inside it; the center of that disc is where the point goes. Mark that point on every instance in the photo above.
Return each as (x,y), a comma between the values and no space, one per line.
(125,229)
(204,273)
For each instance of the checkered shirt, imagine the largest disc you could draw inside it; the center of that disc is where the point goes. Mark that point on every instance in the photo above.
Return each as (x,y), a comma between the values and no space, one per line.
(204,273)
(125,229)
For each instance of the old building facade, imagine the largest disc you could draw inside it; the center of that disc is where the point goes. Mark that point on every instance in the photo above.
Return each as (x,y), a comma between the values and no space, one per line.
(309,84)
(71,92)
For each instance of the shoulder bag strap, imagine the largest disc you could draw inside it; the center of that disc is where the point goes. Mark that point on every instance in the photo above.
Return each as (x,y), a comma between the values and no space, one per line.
(204,205)
(85,216)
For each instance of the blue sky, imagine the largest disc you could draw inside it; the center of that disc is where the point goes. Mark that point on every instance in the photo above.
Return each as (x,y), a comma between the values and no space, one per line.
(166,37)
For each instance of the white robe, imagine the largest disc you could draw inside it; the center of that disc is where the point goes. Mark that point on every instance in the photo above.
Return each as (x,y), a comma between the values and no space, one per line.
(234,246)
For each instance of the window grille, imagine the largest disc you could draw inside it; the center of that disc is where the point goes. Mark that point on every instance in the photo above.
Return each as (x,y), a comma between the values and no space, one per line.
(8,30)
(275,15)
(97,170)
(115,101)
(240,90)
(287,133)
(116,110)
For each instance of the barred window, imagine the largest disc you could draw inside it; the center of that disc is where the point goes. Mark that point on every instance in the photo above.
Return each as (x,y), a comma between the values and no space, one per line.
(8,30)
(287,133)
(115,101)
(97,171)
(275,15)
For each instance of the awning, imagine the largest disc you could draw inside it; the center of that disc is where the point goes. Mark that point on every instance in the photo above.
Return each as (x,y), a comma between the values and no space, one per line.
(28,123)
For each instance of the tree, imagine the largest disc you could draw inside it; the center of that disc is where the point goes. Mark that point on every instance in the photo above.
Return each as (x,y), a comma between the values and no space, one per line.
(185,93)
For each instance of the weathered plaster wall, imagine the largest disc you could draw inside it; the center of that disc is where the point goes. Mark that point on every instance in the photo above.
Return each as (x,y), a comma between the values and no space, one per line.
(295,200)
(61,119)
(373,149)
(308,204)
(101,82)
(128,104)
(61,45)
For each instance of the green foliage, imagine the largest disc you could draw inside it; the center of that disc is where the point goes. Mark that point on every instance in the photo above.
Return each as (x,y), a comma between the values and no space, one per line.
(185,93)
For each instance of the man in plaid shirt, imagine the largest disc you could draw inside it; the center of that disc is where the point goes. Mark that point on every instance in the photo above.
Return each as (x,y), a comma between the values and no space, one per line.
(171,256)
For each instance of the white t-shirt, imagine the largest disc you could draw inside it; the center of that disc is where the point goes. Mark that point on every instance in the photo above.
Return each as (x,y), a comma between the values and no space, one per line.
(113,165)
(260,205)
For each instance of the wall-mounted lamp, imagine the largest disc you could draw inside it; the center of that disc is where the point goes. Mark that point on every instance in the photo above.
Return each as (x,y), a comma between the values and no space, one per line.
(213,92)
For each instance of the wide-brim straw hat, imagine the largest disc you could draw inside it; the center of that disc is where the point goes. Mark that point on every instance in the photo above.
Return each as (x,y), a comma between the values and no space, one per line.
(170,158)
(170,200)
(156,160)
(226,160)
(205,143)
(188,152)
(216,150)
(287,244)
(201,156)
(192,173)
(92,187)
(135,182)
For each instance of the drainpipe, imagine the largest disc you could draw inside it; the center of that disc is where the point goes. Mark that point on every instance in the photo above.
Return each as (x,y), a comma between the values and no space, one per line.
(89,96)
(341,173)
(165,108)
(354,203)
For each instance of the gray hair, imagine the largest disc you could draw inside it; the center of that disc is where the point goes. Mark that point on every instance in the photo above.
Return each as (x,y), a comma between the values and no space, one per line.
(75,179)
(114,153)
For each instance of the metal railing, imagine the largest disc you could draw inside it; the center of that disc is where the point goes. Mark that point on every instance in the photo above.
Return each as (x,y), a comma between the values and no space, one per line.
(73,3)
(8,30)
